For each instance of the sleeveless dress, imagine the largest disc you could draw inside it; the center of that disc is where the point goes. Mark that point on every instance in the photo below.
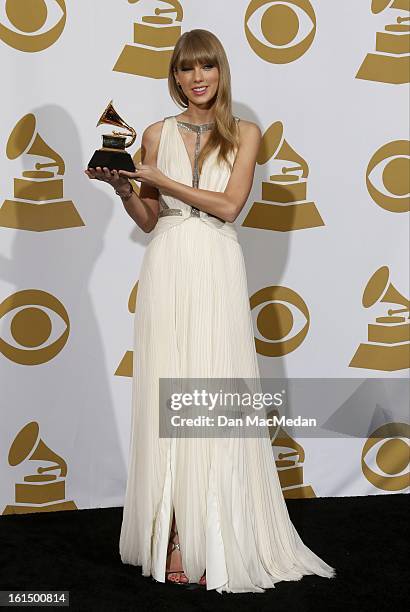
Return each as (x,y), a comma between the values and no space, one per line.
(193,320)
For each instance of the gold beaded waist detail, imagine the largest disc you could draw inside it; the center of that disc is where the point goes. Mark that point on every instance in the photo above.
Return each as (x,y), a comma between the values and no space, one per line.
(177,216)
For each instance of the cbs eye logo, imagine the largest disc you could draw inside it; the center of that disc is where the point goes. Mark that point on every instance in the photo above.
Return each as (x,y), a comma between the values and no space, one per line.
(28,19)
(389,168)
(284,26)
(283,310)
(31,326)
(385,457)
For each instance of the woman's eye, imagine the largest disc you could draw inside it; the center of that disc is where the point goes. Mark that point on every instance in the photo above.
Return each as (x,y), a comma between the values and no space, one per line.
(208,66)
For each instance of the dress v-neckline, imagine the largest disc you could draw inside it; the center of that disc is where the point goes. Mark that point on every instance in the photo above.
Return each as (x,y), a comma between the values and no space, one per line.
(199,129)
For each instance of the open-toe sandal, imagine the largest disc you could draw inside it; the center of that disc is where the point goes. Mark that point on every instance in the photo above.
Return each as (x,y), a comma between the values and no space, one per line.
(175,546)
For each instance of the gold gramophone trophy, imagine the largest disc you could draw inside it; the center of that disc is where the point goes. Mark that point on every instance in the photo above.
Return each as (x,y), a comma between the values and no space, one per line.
(112,154)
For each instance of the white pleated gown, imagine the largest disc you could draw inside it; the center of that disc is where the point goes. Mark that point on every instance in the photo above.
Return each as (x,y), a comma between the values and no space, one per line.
(193,320)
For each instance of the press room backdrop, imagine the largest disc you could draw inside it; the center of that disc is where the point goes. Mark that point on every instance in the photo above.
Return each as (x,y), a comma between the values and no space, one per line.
(324,231)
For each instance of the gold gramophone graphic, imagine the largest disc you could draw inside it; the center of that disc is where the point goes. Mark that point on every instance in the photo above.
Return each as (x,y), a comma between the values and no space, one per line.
(126,364)
(43,491)
(285,207)
(290,467)
(391,61)
(388,346)
(112,154)
(154,39)
(39,204)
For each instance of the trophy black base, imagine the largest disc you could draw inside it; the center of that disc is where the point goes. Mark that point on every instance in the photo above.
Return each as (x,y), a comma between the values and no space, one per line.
(114,160)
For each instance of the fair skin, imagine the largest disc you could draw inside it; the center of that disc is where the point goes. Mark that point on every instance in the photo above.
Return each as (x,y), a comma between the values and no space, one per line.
(227,205)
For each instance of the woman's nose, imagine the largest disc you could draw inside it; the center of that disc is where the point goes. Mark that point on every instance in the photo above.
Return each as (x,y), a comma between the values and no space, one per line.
(198,74)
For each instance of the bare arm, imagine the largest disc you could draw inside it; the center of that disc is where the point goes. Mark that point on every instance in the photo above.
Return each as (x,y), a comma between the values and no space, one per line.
(226,205)
(144,209)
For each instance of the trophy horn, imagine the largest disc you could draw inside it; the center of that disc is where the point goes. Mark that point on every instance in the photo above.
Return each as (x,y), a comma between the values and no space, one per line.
(111,117)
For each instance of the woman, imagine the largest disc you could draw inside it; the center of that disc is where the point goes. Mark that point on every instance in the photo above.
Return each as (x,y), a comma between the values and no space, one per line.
(204,503)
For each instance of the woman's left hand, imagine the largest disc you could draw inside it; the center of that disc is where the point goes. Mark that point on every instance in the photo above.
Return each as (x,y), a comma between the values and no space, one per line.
(146,174)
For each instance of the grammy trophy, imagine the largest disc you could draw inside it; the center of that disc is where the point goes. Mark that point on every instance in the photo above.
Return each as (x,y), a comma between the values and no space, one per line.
(112,154)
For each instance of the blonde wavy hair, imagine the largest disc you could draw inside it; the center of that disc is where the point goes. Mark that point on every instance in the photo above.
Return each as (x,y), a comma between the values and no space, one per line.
(203,47)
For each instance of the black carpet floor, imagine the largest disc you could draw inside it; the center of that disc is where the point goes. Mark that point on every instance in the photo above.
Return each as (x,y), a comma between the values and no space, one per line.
(365,538)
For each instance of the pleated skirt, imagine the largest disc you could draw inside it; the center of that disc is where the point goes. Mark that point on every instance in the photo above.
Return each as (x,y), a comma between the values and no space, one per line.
(193,320)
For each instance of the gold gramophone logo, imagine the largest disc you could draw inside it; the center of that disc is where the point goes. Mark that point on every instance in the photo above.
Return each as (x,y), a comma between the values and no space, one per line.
(390,447)
(43,491)
(285,206)
(284,27)
(155,37)
(28,18)
(393,175)
(283,310)
(390,62)
(31,326)
(38,203)
(290,466)
(388,339)
(126,364)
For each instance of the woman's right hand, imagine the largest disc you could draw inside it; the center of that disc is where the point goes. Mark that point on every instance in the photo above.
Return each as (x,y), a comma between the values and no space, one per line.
(107,176)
